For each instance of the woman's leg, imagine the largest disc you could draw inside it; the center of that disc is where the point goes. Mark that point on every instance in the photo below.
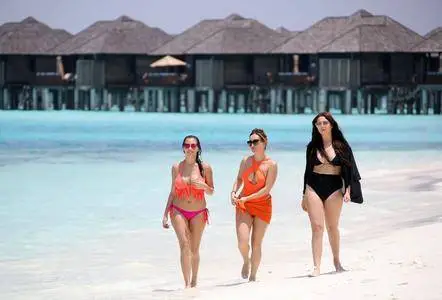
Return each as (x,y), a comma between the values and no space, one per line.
(243,228)
(258,231)
(333,207)
(181,227)
(197,225)
(316,215)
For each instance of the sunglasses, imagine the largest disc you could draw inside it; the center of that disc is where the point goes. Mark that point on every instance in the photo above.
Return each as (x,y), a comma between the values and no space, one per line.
(187,146)
(253,142)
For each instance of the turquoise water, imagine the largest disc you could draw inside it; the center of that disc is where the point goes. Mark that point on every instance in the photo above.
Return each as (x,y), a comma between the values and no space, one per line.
(95,132)
(67,178)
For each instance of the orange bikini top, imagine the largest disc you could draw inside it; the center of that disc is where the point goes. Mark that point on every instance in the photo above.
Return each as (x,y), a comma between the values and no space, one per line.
(184,190)
(259,178)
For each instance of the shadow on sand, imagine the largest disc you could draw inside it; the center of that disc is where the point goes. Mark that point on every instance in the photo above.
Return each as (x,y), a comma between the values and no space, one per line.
(322,274)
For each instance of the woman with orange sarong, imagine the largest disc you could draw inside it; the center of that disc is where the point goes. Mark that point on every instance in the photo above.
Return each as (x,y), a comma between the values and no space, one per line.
(257,174)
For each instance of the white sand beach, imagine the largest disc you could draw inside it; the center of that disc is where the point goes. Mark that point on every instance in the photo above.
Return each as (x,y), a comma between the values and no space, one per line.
(390,245)
(391,248)
(405,264)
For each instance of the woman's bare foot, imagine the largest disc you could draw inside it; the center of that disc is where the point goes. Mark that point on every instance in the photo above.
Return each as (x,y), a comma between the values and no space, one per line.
(252,278)
(338,266)
(316,272)
(245,270)
(193,283)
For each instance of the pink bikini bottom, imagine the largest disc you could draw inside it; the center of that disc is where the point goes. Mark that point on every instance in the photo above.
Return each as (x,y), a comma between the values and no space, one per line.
(190,214)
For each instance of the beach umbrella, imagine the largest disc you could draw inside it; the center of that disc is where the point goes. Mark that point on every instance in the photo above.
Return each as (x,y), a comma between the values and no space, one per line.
(168,61)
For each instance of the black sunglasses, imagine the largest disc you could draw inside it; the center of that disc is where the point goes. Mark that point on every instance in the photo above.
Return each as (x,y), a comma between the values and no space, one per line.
(254,142)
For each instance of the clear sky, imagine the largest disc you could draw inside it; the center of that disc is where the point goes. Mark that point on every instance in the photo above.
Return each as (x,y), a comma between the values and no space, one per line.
(174,16)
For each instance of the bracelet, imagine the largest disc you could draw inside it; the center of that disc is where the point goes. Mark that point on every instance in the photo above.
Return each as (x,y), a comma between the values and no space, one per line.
(233,192)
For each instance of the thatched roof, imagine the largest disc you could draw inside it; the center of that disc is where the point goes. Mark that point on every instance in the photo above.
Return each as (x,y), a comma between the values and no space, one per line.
(190,37)
(361,13)
(82,37)
(431,43)
(121,36)
(436,32)
(379,34)
(286,32)
(347,34)
(29,37)
(55,38)
(62,34)
(232,35)
(6,27)
(309,40)
(239,37)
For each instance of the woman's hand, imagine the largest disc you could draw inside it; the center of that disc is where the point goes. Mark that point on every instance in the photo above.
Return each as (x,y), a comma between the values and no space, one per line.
(304,203)
(200,185)
(242,199)
(347,196)
(165,222)
(233,198)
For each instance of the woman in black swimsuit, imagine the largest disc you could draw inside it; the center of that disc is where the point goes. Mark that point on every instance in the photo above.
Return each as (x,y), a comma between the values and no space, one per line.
(327,178)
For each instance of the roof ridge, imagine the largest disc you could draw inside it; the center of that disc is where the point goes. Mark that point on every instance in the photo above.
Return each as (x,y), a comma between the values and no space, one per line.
(340,35)
(87,40)
(33,21)
(433,31)
(234,17)
(309,28)
(100,31)
(174,37)
(257,33)
(206,38)
(403,26)
(424,40)
(283,42)
(363,13)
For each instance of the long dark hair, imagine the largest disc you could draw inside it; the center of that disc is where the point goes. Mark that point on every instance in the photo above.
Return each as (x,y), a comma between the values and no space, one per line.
(340,144)
(198,154)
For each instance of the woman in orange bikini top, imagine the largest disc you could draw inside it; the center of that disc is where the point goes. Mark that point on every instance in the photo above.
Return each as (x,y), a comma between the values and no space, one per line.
(186,205)
(257,175)
(185,189)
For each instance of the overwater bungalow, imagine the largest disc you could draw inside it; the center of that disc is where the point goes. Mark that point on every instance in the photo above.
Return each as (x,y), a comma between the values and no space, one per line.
(361,63)
(27,67)
(231,63)
(110,58)
(431,82)
(355,60)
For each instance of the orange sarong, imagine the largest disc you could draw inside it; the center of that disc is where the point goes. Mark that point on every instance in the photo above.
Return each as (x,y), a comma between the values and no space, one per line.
(259,207)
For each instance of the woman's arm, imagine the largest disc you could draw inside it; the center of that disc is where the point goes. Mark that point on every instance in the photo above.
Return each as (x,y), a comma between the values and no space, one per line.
(172,190)
(307,151)
(347,174)
(208,176)
(270,181)
(238,180)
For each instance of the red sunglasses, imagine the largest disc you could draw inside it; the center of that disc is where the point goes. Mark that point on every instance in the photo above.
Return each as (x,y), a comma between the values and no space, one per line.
(187,146)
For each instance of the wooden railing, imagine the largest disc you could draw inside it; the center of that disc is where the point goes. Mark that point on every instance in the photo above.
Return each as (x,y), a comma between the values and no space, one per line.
(434,78)
(50,78)
(164,79)
(291,79)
